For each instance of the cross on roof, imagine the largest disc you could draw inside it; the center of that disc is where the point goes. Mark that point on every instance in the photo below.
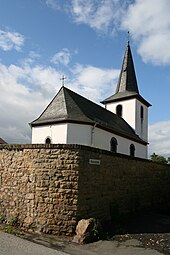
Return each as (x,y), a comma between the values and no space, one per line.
(62,79)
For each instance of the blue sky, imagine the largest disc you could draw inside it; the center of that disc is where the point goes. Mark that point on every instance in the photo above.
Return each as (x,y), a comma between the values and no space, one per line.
(84,40)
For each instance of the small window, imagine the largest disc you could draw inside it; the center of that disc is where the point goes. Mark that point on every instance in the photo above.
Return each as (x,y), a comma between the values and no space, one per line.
(132,150)
(141,112)
(113,145)
(119,110)
(48,140)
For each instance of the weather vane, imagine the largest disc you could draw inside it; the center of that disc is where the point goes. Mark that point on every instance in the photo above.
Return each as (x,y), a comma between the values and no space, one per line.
(63,78)
(128,38)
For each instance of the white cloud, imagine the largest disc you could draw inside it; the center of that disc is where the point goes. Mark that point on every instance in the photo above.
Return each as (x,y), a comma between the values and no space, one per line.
(101,15)
(147,21)
(149,24)
(32,58)
(54,4)
(93,82)
(25,91)
(10,40)
(57,5)
(159,138)
(62,57)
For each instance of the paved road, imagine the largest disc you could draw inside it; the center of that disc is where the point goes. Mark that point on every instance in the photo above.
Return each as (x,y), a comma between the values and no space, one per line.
(129,247)
(12,245)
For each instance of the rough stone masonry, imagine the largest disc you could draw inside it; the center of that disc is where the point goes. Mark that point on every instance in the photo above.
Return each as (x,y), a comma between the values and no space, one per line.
(48,188)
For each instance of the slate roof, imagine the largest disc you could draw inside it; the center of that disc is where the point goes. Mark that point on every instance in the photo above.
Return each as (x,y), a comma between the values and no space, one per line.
(127,86)
(68,106)
(2,141)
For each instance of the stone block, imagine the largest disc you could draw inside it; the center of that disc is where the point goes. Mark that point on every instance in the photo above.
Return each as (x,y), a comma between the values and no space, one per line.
(30,196)
(28,220)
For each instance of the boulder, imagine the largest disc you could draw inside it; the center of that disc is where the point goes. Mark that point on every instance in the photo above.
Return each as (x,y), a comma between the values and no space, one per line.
(87,231)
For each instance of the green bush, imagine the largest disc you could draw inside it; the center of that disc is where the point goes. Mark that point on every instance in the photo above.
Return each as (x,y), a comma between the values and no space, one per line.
(13,221)
(2,219)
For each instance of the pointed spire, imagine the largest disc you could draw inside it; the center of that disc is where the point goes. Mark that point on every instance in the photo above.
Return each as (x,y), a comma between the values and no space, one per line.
(127,79)
(127,86)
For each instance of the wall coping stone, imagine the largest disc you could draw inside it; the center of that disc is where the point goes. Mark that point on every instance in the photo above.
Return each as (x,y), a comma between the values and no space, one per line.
(20,147)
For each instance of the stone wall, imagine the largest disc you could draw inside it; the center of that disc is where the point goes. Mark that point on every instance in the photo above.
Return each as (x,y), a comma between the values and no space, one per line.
(120,185)
(39,185)
(50,187)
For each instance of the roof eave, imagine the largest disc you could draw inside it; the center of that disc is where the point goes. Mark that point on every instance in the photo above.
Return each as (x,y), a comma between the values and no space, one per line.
(108,129)
(140,98)
(47,123)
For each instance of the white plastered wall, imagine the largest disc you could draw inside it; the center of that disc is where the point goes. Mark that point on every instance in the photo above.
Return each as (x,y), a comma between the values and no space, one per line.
(79,134)
(102,140)
(85,135)
(99,138)
(131,114)
(128,110)
(57,133)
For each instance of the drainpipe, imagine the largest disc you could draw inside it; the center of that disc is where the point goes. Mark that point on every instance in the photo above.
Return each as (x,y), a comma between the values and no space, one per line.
(92,134)
(51,133)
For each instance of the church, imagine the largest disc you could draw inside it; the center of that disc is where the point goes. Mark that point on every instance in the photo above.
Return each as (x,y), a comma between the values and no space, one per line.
(121,126)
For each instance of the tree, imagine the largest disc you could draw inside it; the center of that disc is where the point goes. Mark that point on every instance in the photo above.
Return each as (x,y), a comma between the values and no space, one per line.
(160,159)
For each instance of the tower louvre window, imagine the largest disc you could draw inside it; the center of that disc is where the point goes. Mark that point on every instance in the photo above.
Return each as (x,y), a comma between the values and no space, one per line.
(119,110)
(141,112)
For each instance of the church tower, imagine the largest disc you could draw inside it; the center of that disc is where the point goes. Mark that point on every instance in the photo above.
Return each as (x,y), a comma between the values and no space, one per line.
(127,101)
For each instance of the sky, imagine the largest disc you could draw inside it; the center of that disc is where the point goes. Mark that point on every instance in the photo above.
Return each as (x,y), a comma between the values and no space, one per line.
(41,40)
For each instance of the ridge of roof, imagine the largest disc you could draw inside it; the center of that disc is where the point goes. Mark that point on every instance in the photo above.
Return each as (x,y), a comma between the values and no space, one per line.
(72,107)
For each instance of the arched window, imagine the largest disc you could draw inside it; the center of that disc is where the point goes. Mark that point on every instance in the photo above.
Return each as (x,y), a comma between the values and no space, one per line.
(141,112)
(132,150)
(119,110)
(48,140)
(113,145)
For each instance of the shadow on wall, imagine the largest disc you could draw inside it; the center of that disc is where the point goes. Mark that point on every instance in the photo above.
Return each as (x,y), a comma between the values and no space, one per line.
(118,187)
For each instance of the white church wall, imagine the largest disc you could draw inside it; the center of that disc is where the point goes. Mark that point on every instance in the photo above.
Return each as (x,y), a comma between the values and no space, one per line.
(85,135)
(128,110)
(131,113)
(79,134)
(102,140)
(57,133)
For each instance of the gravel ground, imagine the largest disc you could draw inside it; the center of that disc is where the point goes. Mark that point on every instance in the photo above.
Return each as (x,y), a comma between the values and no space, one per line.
(159,242)
(151,229)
